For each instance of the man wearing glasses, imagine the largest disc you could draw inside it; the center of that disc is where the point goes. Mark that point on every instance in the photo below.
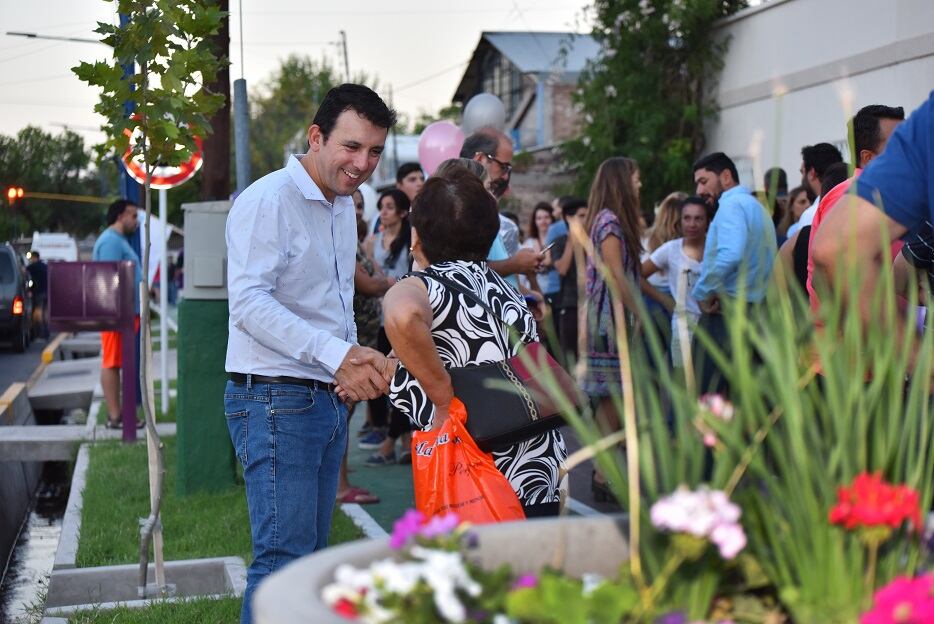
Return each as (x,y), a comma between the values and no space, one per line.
(493,149)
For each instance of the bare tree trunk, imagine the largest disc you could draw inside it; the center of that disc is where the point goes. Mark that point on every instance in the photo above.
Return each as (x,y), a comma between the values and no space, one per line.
(151,528)
(215,175)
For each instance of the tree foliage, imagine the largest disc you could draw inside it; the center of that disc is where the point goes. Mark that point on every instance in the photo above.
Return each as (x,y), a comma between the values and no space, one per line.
(42,162)
(168,39)
(284,106)
(649,93)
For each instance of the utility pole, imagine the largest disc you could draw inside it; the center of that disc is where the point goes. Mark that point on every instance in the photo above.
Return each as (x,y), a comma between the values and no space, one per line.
(344,49)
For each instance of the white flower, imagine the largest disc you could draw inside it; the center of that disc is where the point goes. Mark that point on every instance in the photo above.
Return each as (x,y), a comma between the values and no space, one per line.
(591,582)
(445,573)
(729,538)
(610,91)
(704,513)
(645,6)
(335,592)
(586,141)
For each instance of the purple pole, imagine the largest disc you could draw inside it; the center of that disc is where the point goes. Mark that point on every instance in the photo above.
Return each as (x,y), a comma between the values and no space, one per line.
(128,381)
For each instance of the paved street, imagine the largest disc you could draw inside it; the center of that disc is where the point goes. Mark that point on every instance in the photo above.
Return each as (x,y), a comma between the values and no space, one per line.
(19,366)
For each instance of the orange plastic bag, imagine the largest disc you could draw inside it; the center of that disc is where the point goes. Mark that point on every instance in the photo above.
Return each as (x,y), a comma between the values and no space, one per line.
(452,475)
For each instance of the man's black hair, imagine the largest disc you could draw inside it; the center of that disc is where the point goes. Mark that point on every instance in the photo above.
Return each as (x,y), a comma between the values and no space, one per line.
(405,169)
(718,162)
(867,134)
(485,141)
(834,175)
(778,177)
(570,205)
(820,156)
(116,209)
(359,98)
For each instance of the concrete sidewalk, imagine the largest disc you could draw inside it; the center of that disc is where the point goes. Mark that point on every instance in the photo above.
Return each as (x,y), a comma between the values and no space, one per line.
(393,483)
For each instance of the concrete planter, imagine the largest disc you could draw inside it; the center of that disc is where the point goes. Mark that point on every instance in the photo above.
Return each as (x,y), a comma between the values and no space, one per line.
(576,545)
(108,587)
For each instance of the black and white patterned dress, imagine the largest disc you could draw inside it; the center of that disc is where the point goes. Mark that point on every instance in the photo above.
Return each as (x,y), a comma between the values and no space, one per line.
(465,335)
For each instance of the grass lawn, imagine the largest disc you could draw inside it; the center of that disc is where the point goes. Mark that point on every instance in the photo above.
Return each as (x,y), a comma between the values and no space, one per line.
(201,525)
(206,611)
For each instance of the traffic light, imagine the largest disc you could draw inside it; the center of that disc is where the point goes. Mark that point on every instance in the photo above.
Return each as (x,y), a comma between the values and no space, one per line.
(14,194)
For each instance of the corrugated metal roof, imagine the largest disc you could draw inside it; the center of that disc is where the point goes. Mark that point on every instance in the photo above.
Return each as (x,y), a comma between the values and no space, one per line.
(541,51)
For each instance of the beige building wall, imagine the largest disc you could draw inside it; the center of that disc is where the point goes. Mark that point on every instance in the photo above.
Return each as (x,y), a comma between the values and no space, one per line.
(796,70)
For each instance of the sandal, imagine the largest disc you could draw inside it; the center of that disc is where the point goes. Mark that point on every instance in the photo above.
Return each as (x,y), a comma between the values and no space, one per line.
(118,424)
(601,489)
(359,496)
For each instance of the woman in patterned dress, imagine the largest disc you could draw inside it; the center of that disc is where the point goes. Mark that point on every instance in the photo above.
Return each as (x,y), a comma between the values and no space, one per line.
(613,224)
(454,221)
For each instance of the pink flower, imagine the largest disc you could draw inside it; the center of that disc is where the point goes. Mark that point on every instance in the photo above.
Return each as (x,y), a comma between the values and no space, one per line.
(903,601)
(710,440)
(406,528)
(439,525)
(526,581)
(717,405)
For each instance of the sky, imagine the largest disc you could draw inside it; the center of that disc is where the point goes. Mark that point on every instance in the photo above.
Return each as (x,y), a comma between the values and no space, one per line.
(420,47)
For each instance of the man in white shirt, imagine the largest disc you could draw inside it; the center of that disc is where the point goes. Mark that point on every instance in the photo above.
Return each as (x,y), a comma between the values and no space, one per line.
(814,162)
(291,240)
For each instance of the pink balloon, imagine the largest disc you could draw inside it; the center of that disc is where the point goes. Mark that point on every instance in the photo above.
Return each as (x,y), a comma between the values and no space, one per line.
(439,141)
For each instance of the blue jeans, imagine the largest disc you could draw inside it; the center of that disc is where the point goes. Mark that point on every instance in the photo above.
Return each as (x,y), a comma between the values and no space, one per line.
(290,440)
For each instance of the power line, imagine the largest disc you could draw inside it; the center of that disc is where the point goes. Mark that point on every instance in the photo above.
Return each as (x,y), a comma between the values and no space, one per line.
(432,76)
(401,12)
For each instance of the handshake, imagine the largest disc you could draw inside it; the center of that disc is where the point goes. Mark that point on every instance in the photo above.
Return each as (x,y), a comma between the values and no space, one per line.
(364,374)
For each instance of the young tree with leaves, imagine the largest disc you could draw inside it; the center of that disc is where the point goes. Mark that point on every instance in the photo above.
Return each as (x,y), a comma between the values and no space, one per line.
(650,91)
(168,40)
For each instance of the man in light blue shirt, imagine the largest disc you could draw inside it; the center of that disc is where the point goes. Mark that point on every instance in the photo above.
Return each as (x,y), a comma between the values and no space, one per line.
(292,241)
(113,245)
(738,253)
(493,149)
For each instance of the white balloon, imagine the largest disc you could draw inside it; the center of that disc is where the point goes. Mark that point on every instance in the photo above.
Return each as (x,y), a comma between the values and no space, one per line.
(484,109)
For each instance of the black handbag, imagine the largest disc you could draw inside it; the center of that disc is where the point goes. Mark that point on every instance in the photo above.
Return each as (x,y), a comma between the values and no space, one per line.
(516,398)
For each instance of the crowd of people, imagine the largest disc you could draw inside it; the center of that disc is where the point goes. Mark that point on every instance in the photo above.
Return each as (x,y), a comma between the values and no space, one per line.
(326,312)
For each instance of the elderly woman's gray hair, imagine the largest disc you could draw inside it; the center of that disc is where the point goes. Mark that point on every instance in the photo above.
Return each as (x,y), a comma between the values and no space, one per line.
(452,164)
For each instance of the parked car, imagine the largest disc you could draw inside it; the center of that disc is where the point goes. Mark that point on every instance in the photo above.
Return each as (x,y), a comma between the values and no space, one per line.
(15,299)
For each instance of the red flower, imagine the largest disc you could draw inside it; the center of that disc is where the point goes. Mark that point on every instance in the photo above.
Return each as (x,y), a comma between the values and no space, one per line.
(871,502)
(346,609)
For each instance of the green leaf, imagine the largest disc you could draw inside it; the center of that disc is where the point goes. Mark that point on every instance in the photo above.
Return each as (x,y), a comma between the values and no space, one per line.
(610,602)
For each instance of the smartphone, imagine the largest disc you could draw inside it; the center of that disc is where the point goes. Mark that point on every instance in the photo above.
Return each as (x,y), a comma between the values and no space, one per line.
(549,246)
(531,301)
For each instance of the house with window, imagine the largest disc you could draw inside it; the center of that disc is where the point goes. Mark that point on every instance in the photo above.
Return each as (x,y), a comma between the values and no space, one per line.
(534,74)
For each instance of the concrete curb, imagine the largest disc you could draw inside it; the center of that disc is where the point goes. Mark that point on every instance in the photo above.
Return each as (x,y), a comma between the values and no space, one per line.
(108,587)
(48,356)
(359,516)
(581,509)
(67,551)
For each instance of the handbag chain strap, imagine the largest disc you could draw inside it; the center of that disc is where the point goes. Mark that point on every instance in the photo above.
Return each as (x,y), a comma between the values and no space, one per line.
(452,285)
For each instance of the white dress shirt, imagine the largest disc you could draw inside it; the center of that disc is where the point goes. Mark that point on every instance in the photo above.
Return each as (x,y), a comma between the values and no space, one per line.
(291,261)
(806,218)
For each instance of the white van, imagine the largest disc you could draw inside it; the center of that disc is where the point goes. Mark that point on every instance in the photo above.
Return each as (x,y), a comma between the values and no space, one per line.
(55,246)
